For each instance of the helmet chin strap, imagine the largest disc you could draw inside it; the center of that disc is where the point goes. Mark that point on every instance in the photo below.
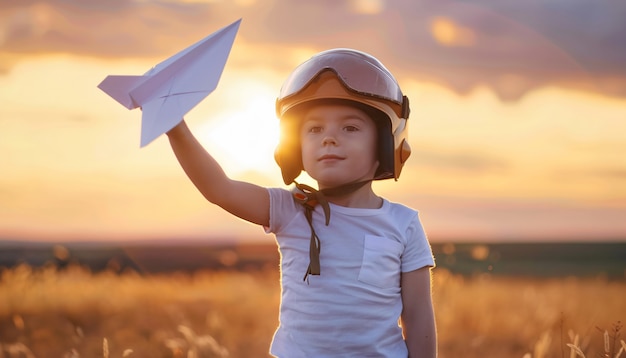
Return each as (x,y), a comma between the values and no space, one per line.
(344,189)
(309,197)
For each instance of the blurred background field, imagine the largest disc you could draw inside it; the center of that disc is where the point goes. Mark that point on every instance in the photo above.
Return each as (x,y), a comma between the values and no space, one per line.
(222,301)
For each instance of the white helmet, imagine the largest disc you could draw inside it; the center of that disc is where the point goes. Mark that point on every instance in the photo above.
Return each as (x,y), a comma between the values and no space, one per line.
(345,76)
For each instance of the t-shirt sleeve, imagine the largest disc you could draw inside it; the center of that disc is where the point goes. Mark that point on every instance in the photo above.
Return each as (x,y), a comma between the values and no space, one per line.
(282,209)
(417,253)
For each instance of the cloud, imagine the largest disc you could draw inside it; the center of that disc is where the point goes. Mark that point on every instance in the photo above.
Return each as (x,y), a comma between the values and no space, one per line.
(510,47)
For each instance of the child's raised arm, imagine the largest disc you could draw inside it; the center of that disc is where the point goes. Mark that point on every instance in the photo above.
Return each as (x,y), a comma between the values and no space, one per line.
(245,200)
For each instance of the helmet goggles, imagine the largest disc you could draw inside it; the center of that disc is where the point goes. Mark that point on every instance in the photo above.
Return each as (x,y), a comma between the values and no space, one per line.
(378,81)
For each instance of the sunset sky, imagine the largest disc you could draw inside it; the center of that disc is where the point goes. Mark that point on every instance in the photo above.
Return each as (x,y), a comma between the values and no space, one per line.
(518,122)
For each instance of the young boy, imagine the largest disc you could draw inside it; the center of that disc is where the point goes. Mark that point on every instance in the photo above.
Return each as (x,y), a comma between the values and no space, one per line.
(352,263)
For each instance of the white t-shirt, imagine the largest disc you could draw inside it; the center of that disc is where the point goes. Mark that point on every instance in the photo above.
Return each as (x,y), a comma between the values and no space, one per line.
(352,308)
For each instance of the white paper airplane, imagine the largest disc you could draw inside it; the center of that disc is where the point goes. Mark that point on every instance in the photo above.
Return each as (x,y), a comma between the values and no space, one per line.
(173,87)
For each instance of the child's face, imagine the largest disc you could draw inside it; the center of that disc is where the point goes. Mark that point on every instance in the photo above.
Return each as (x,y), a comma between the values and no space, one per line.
(338,145)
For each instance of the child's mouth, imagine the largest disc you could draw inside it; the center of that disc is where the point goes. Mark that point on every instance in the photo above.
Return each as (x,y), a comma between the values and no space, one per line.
(329,157)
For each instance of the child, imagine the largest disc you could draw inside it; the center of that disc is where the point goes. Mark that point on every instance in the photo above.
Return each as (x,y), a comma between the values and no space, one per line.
(366,261)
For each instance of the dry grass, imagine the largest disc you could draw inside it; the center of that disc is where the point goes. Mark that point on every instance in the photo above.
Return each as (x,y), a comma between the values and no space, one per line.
(76,313)
(68,313)
(511,317)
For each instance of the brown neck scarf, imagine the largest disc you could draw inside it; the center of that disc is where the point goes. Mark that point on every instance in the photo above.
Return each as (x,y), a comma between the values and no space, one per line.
(309,197)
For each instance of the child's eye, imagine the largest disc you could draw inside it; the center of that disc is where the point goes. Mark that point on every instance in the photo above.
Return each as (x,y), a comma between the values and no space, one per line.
(350,128)
(314,129)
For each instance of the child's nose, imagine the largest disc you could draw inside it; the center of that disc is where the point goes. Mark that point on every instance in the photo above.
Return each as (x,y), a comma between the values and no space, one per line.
(329,140)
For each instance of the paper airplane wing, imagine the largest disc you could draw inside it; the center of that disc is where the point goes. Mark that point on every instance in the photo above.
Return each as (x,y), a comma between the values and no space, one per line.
(173,87)
(119,87)
(179,83)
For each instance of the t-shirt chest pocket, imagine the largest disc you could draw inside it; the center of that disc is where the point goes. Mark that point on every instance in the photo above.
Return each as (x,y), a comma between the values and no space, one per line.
(381,262)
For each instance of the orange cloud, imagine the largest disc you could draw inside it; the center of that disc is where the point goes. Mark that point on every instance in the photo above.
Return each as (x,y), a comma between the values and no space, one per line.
(448,33)
(511,48)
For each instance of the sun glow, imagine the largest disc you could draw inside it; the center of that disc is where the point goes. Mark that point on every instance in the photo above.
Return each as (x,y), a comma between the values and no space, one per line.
(244,139)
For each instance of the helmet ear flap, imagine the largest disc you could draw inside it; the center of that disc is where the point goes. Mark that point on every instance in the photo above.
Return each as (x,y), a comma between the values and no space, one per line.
(405,151)
(278,159)
(290,167)
(288,154)
(402,151)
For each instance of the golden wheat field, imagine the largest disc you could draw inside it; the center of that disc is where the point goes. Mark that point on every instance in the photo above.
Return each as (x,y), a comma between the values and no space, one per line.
(47,312)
